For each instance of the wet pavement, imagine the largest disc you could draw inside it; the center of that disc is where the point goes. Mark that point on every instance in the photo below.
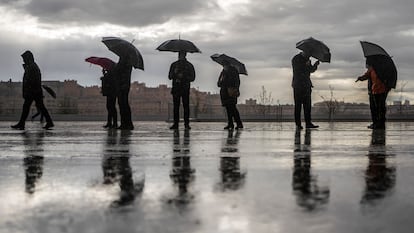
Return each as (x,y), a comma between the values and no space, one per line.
(265,178)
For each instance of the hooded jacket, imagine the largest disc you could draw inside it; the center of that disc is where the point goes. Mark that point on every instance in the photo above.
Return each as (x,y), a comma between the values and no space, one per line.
(32,78)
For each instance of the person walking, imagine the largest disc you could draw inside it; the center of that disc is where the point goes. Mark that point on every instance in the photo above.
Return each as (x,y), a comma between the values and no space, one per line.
(32,91)
(302,87)
(122,72)
(110,90)
(229,83)
(379,93)
(182,74)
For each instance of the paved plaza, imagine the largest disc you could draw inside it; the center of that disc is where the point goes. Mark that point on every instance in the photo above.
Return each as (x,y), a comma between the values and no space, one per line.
(267,177)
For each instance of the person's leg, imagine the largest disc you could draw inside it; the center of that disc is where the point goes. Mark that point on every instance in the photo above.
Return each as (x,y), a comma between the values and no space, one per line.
(176,102)
(40,105)
(373,110)
(186,106)
(230,113)
(25,112)
(380,101)
(297,95)
(121,110)
(236,116)
(125,111)
(108,109)
(113,112)
(307,108)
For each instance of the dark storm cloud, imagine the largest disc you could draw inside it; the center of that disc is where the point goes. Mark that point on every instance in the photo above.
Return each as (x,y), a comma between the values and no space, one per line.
(122,12)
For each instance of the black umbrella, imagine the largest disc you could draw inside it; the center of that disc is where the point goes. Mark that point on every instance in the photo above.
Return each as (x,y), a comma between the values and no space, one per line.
(50,91)
(125,49)
(370,49)
(382,63)
(223,58)
(315,48)
(179,45)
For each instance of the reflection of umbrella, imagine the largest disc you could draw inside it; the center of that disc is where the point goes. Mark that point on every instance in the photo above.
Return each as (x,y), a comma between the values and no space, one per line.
(223,58)
(315,48)
(370,49)
(50,91)
(104,62)
(124,49)
(179,46)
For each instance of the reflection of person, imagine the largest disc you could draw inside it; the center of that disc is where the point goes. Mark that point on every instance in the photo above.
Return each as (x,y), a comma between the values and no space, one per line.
(33,160)
(32,91)
(182,174)
(308,194)
(378,95)
(232,177)
(109,89)
(379,176)
(229,83)
(122,72)
(302,87)
(117,169)
(182,74)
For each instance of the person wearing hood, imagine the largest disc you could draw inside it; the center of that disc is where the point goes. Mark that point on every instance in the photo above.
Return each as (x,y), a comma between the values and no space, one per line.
(32,91)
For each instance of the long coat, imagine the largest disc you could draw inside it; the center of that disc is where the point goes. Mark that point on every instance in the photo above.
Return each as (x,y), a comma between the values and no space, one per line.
(228,79)
(181,73)
(302,69)
(122,72)
(32,78)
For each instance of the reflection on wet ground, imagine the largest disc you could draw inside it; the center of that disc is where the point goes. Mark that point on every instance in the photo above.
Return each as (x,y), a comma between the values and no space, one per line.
(265,178)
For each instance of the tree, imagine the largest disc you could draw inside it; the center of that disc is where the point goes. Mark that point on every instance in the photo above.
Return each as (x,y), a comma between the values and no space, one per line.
(331,104)
(265,100)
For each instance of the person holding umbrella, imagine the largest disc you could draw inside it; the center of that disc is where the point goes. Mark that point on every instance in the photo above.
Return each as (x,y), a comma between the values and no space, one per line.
(181,73)
(32,91)
(378,93)
(229,83)
(301,82)
(122,72)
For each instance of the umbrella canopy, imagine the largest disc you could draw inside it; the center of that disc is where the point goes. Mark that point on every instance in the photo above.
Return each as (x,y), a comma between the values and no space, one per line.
(371,49)
(317,49)
(223,58)
(104,62)
(124,49)
(179,45)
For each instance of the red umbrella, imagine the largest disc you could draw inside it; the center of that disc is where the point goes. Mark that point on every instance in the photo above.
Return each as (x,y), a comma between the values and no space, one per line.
(104,62)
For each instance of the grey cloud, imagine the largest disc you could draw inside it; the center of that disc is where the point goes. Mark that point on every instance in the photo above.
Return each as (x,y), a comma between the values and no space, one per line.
(122,12)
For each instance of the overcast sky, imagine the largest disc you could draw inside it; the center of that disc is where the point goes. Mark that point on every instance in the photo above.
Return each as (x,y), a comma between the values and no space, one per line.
(261,34)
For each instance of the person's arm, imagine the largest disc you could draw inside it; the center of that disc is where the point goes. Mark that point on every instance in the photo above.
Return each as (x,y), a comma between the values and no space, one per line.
(191,72)
(364,76)
(171,73)
(314,67)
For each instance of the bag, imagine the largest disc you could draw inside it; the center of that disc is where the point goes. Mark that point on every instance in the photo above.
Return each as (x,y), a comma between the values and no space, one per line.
(233,92)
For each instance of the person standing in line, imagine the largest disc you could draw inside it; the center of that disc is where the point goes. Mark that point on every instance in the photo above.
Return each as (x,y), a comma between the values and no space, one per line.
(110,89)
(379,93)
(122,72)
(182,74)
(32,91)
(229,83)
(302,87)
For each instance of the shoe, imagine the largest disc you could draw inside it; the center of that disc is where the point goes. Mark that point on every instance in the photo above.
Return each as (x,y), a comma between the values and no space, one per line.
(17,126)
(371,126)
(174,126)
(229,127)
(187,126)
(107,126)
(48,125)
(311,126)
(299,127)
(239,127)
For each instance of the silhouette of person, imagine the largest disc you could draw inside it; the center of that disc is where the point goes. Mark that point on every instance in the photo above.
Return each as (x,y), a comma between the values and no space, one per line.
(380,177)
(122,73)
(378,93)
(232,177)
(117,169)
(182,174)
(302,87)
(32,91)
(110,90)
(229,83)
(182,74)
(308,193)
(38,113)
(33,160)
